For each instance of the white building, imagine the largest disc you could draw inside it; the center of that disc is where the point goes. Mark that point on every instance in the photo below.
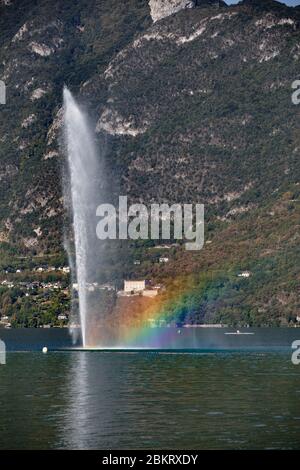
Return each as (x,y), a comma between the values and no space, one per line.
(62,316)
(8,284)
(134,286)
(163,260)
(245,274)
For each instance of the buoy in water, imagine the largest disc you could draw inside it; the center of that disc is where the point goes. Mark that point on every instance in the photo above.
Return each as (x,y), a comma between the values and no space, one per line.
(45,349)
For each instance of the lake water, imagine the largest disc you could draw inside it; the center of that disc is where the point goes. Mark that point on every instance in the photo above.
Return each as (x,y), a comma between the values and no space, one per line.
(210,399)
(32,339)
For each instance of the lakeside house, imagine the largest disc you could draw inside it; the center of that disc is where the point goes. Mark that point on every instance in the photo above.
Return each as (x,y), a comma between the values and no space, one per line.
(8,284)
(92,287)
(62,316)
(245,274)
(4,319)
(134,286)
(138,287)
(66,269)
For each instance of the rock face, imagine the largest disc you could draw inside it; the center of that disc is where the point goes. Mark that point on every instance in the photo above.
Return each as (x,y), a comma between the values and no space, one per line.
(163,8)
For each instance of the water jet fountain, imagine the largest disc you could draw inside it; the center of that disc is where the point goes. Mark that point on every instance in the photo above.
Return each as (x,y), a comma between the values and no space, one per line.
(83,175)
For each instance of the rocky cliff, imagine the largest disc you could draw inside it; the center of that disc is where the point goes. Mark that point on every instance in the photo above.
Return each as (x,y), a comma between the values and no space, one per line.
(162,8)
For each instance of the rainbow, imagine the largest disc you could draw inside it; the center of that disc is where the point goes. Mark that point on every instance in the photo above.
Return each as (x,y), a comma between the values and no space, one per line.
(167,309)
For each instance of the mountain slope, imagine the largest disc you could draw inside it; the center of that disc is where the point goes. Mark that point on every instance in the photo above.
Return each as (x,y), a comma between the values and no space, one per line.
(43,46)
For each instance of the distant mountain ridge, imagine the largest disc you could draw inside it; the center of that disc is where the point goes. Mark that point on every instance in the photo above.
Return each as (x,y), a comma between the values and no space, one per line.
(193,107)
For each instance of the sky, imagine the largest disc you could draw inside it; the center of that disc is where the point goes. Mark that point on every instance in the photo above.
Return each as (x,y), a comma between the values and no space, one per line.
(288,2)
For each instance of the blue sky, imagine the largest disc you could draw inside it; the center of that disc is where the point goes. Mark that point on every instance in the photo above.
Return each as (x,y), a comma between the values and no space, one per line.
(288,2)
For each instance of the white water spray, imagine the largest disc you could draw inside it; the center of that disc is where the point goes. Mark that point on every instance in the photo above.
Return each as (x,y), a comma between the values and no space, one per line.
(83,172)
